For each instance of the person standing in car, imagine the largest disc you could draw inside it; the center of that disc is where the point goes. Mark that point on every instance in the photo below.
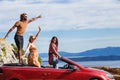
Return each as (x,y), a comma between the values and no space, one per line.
(21,26)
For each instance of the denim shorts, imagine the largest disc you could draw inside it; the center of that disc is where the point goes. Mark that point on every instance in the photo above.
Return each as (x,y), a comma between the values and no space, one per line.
(19,41)
(55,62)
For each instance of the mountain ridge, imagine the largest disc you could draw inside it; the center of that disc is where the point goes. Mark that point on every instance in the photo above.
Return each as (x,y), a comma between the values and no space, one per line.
(93,54)
(96,52)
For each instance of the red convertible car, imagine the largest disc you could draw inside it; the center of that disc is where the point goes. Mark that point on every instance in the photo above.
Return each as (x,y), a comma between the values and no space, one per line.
(70,71)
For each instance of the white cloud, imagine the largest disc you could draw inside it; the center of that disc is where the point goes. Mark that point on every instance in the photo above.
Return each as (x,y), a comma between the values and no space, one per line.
(82,44)
(60,14)
(64,15)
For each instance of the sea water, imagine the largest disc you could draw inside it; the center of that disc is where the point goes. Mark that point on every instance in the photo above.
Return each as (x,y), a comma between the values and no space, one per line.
(112,64)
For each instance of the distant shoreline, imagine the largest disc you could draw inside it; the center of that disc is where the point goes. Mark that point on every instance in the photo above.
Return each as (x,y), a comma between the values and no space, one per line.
(96,58)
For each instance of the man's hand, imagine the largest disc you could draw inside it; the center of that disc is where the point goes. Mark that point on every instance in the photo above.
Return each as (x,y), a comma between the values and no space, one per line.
(39,16)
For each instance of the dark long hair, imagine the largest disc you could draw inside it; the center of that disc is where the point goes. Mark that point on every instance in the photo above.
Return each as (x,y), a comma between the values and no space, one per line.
(56,40)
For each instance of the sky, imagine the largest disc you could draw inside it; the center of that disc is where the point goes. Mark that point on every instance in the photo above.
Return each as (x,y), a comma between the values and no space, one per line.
(79,25)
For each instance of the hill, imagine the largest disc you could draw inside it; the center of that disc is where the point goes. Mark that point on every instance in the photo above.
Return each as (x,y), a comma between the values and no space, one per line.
(95,52)
(102,52)
(108,53)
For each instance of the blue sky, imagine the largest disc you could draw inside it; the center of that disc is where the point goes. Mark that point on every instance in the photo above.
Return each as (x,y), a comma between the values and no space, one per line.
(80,25)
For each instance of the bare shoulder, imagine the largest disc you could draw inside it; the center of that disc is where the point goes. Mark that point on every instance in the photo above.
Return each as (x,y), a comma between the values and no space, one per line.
(53,45)
(18,21)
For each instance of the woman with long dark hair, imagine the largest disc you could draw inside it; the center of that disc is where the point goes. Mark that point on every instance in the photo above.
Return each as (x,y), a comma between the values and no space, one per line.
(53,52)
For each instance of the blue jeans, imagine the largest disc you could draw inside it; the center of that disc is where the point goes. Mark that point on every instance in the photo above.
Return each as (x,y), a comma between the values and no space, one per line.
(55,62)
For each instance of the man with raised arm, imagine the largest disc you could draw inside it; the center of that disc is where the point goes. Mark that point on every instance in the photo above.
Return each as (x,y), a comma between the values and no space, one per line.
(21,26)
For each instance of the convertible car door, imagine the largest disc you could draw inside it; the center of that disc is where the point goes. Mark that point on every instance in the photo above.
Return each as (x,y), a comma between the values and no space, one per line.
(60,74)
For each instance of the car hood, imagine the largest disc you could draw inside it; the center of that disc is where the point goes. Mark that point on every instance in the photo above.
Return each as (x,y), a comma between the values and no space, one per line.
(89,69)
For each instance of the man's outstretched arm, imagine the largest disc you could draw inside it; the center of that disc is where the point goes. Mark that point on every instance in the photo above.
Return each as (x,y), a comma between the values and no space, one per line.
(33,19)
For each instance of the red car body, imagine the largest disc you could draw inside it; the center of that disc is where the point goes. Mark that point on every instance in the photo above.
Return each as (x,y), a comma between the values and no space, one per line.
(71,71)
